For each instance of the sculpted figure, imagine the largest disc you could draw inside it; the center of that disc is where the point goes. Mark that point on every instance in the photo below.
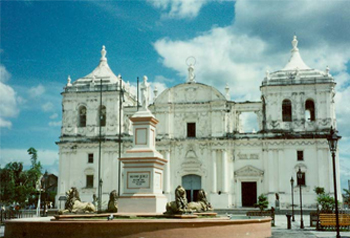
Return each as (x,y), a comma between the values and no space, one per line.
(145,93)
(113,202)
(202,205)
(74,204)
(179,206)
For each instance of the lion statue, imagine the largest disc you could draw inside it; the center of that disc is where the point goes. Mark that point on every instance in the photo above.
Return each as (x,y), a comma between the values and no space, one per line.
(202,204)
(74,204)
(113,202)
(179,206)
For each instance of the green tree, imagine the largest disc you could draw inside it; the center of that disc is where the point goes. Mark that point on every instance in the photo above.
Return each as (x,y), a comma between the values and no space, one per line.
(17,184)
(262,202)
(347,196)
(34,156)
(325,200)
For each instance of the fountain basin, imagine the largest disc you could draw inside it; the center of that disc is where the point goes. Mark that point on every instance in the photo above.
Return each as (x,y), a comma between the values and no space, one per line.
(135,228)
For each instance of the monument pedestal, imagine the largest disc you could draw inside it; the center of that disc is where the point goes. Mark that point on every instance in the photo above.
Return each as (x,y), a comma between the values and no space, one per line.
(143,169)
(142,204)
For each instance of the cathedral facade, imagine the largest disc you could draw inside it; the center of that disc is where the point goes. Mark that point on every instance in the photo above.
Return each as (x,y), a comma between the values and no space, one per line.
(200,135)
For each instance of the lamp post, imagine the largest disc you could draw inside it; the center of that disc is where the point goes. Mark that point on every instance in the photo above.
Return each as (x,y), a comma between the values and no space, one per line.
(300,176)
(292,186)
(45,193)
(121,100)
(333,138)
(100,181)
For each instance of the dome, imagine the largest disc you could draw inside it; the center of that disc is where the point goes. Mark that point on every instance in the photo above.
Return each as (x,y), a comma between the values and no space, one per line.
(189,93)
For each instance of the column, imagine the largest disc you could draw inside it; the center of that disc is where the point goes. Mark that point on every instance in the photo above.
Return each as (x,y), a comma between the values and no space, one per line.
(266,170)
(224,171)
(214,169)
(329,161)
(167,172)
(320,166)
(282,176)
(270,171)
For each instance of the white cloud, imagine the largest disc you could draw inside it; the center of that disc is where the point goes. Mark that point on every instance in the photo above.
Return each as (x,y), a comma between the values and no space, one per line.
(179,8)
(55,123)
(162,79)
(5,123)
(54,116)
(47,107)
(221,57)
(37,91)
(4,74)
(8,105)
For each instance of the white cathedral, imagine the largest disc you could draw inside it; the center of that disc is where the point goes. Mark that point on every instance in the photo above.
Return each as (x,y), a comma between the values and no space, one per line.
(199,134)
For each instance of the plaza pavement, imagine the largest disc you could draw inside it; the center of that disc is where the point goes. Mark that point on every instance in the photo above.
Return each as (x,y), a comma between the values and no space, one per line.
(279,231)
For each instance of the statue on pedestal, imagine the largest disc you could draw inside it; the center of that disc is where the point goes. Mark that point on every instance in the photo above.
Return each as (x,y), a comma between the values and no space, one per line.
(145,93)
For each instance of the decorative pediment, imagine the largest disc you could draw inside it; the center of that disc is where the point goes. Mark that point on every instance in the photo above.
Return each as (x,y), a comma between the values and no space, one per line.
(249,171)
(191,165)
(89,171)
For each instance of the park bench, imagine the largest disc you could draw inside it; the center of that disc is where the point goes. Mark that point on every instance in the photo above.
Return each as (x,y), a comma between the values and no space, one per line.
(267,213)
(328,221)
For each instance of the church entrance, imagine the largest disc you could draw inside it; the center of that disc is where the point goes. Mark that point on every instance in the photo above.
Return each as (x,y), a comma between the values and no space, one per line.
(249,194)
(192,184)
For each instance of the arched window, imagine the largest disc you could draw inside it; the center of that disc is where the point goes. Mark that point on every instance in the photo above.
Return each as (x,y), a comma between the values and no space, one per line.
(82,116)
(310,110)
(102,114)
(286,110)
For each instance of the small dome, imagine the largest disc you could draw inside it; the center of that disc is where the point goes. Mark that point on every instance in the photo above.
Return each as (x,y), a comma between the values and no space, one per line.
(295,61)
(189,93)
(296,71)
(102,71)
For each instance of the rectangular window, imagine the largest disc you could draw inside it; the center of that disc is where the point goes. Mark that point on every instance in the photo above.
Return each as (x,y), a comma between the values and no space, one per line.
(191,129)
(90,158)
(301,181)
(300,155)
(89,181)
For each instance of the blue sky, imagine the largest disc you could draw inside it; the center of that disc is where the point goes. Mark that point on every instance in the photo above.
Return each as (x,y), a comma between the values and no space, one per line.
(234,42)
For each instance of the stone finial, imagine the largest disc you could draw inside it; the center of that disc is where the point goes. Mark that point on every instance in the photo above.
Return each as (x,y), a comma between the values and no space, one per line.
(327,71)
(267,74)
(93,80)
(103,53)
(69,81)
(227,90)
(295,43)
(155,91)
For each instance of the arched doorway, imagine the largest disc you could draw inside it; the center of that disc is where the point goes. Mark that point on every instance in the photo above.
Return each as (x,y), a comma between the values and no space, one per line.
(192,183)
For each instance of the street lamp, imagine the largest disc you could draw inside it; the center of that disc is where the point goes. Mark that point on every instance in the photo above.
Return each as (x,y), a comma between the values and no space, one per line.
(292,186)
(332,142)
(45,193)
(121,100)
(300,176)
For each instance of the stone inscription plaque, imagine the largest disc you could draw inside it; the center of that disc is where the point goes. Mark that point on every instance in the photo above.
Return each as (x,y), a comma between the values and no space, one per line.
(138,180)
